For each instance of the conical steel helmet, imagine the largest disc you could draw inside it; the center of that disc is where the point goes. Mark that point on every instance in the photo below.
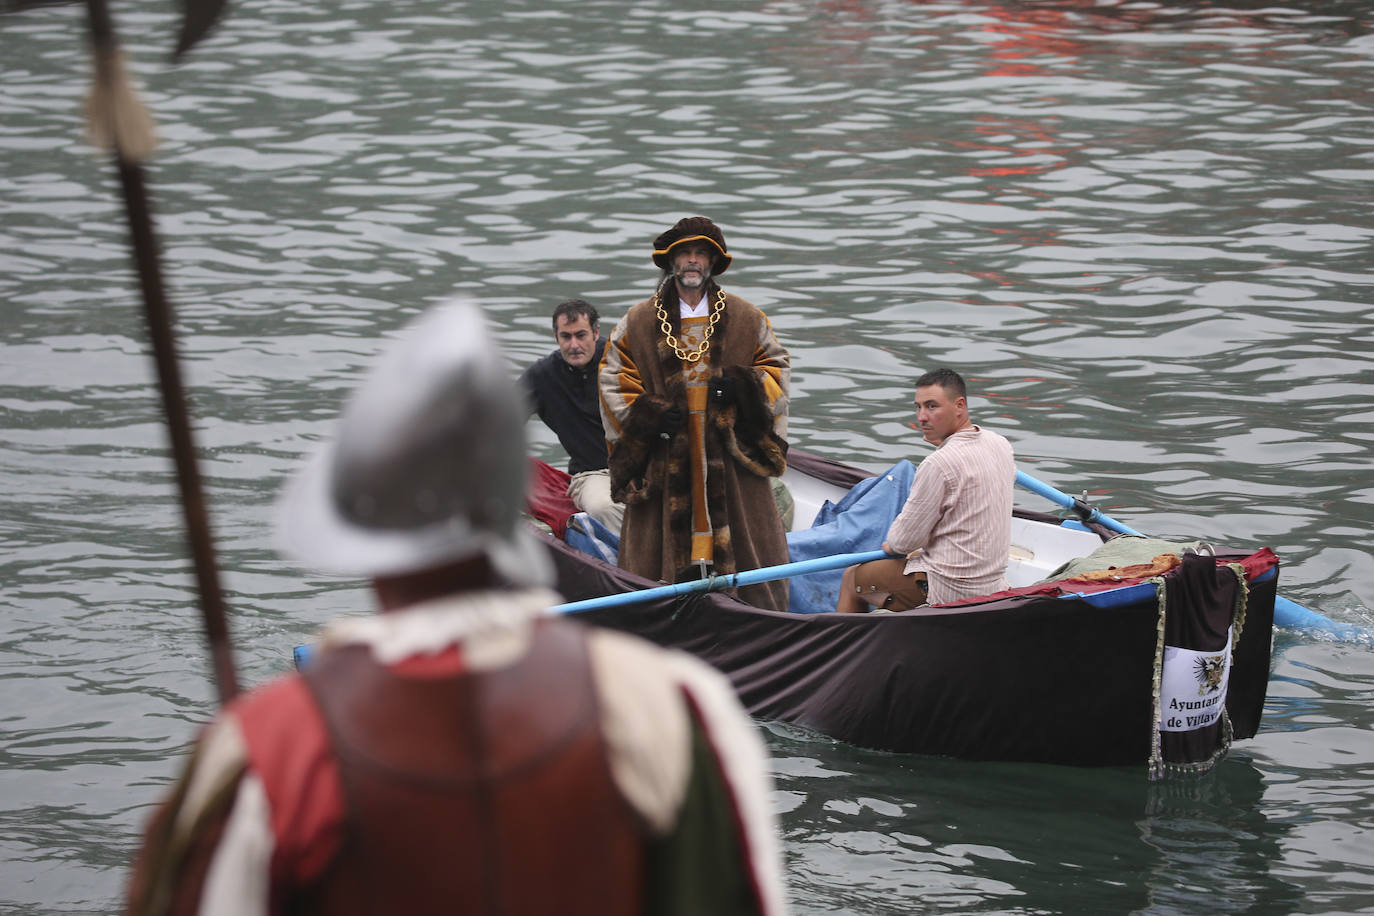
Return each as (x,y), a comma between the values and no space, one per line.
(428,466)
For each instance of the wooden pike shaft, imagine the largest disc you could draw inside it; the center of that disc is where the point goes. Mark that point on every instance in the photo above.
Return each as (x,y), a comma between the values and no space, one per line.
(159,319)
(147,262)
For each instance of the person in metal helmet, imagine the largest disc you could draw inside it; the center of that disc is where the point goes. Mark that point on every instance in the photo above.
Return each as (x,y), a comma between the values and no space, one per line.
(694,391)
(462,750)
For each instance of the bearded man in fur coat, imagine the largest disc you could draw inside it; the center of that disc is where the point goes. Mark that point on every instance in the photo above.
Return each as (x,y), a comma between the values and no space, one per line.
(694,403)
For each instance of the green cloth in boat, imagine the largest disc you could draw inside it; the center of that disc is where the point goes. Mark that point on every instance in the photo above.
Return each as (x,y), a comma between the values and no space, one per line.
(787,506)
(1125,550)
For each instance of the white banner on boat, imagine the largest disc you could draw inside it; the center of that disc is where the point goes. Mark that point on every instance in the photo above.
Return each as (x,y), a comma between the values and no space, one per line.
(1192,692)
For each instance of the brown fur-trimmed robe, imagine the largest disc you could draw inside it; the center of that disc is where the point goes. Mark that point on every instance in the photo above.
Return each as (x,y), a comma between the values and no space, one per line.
(652,476)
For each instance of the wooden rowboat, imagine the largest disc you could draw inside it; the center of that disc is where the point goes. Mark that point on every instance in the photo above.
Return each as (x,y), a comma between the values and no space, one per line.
(1070,672)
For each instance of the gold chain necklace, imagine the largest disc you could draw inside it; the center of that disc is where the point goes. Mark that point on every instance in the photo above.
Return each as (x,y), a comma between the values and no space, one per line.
(695,356)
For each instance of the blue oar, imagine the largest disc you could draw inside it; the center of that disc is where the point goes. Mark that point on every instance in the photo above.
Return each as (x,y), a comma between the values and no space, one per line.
(1086,512)
(302,653)
(718,583)
(1286,613)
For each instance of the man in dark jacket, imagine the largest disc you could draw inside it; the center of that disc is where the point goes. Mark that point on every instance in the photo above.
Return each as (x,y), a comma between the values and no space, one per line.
(561,389)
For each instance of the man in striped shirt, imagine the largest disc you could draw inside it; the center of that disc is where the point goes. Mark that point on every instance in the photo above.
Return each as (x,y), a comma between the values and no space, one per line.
(952,539)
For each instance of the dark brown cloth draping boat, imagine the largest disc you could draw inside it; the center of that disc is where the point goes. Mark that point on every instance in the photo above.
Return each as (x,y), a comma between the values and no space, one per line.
(1066,672)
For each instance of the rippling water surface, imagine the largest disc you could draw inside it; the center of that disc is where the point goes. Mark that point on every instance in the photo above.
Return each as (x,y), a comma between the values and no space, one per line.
(1141,229)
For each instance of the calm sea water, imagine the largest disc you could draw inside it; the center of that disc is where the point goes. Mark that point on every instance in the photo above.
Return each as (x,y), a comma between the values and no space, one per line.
(1142,229)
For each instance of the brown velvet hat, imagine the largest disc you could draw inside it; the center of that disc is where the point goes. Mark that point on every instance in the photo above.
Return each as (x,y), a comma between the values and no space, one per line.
(692,229)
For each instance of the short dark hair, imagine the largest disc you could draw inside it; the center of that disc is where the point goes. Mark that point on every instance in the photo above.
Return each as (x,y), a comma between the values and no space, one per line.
(575,308)
(947,379)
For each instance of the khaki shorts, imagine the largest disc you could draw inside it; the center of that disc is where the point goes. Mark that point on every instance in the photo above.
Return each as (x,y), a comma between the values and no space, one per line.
(882,584)
(590,491)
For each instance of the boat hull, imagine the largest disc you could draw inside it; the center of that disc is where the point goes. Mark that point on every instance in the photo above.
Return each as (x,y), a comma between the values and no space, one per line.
(1027,678)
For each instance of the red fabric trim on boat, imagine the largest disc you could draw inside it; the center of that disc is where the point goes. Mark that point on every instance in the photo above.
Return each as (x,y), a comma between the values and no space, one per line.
(547,498)
(1257,563)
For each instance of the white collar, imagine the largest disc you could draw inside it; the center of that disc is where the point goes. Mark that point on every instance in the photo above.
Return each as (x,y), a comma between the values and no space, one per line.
(432,626)
(698,311)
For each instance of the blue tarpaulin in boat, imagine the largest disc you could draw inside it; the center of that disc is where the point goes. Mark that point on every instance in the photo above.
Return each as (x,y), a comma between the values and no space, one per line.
(857,522)
(591,537)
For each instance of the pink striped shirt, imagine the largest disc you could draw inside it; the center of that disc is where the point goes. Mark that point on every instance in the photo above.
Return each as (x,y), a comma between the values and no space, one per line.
(959,514)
